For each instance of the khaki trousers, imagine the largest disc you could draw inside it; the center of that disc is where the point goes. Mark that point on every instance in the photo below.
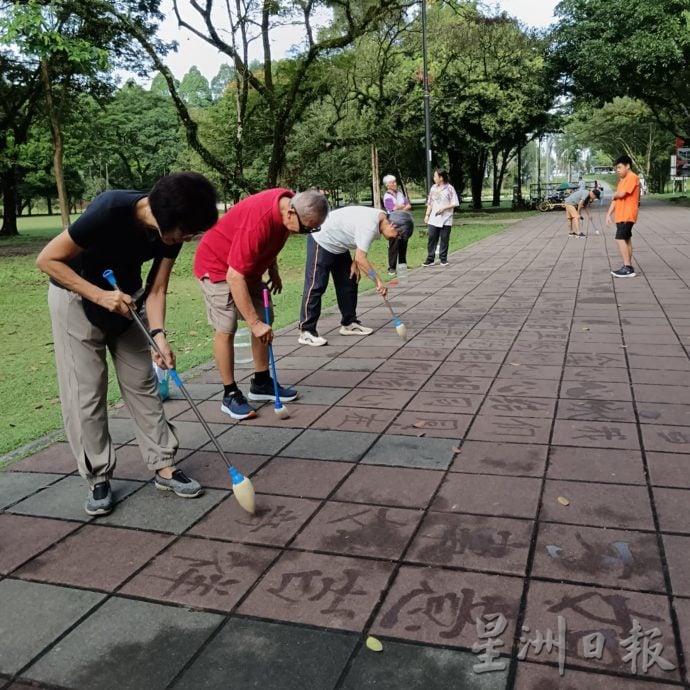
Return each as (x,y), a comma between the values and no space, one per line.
(80,355)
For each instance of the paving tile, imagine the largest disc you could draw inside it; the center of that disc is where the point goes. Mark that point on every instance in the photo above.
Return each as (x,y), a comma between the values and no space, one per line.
(321,444)
(669,469)
(648,393)
(678,559)
(671,439)
(112,556)
(542,677)
(377,398)
(410,451)
(518,406)
(354,529)
(663,363)
(259,654)
(431,424)
(384,380)
(682,608)
(477,542)
(436,606)
(510,429)
(354,364)
(121,430)
(600,505)
(397,366)
(596,465)
(126,644)
(568,432)
(672,509)
(525,388)
(457,384)
(198,391)
(33,616)
(320,395)
(131,465)
(161,510)
(594,359)
(15,486)
(482,457)
(488,495)
(598,374)
(373,351)
(275,523)
(601,556)
(201,573)
(341,379)
(395,486)
(470,356)
(254,440)
(300,416)
(208,467)
(658,413)
(609,612)
(355,419)
(595,410)
(22,537)
(299,477)
(419,667)
(327,591)
(193,435)
(444,402)
(530,371)
(65,499)
(56,458)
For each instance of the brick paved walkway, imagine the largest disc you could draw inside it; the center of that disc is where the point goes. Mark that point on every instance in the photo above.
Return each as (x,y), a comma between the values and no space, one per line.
(415,489)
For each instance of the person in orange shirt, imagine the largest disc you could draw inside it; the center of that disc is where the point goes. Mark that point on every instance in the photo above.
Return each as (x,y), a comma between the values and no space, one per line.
(625,203)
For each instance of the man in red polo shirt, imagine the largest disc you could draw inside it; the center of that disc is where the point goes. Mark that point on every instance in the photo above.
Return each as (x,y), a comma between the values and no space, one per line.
(230,262)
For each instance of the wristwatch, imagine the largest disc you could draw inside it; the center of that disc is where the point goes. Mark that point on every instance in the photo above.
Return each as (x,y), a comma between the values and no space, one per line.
(156,331)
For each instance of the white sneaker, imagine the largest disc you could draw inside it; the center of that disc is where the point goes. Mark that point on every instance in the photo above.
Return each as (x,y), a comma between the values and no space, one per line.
(355,329)
(307,338)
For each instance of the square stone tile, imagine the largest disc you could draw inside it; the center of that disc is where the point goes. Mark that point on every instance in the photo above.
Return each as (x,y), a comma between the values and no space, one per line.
(258,654)
(299,477)
(485,457)
(436,606)
(300,416)
(682,608)
(209,469)
(131,465)
(193,435)
(65,499)
(315,589)
(596,410)
(601,505)
(355,419)
(34,615)
(432,424)
(377,398)
(56,458)
(22,537)
(601,556)
(121,430)
(649,393)
(409,451)
(419,667)
(395,486)
(678,559)
(476,542)
(519,406)
(446,402)
(595,390)
(488,495)
(659,363)
(354,364)
(126,644)
(669,439)
(275,523)
(469,356)
(255,440)
(112,554)
(510,429)
(457,384)
(151,509)
(201,573)
(321,395)
(599,374)
(321,444)
(669,469)
(15,486)
(596,465)
(530,371)
(610,612)
(383,380)
(432,354)
(353,529)
(672,509)
(658,413)
(568,432)
(341,379)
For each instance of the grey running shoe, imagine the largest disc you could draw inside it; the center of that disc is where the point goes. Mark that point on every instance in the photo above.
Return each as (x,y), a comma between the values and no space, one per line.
(180,484)
(624,272)
(100,500)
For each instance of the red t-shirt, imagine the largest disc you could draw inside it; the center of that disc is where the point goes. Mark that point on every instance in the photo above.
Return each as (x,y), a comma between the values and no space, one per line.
(248,238)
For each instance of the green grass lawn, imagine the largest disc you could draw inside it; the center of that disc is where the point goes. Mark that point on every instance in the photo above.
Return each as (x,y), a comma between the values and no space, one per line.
(29,404)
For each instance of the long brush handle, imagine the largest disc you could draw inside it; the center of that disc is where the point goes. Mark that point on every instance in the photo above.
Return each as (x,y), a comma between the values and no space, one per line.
(271,359)
(234,473)
(396,319)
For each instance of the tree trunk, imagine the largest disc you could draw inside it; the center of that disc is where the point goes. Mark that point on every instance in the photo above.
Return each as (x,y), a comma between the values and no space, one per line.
(495,180)
(9,204)
(375,193)
(477,168)
(58,146)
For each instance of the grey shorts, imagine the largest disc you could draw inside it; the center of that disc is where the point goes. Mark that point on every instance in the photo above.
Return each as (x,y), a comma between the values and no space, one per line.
(221,311)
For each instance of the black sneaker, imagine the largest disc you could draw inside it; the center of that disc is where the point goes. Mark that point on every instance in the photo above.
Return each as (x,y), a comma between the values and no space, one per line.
(582,234)
(100,500)
(237,407)
(624,272)
(428,263)
(265,392)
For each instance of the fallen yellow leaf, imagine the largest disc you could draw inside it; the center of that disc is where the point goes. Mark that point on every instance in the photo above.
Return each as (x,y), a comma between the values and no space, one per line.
(563,501)
(374,644)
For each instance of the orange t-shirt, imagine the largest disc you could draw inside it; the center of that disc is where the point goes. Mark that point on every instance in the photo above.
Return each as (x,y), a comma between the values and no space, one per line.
(627,207)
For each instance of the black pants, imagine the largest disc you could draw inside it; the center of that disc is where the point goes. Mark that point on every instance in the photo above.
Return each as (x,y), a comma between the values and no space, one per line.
(434,234)
(397,252)
(321,264)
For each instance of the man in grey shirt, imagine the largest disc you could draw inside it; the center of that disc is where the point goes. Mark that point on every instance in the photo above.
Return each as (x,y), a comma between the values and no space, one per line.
(573,205)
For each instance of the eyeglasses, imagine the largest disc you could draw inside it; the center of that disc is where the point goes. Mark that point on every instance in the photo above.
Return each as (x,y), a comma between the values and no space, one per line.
(303,229)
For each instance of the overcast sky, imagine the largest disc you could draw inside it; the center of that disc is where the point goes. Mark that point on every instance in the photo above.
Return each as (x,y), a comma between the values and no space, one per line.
(194,51)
